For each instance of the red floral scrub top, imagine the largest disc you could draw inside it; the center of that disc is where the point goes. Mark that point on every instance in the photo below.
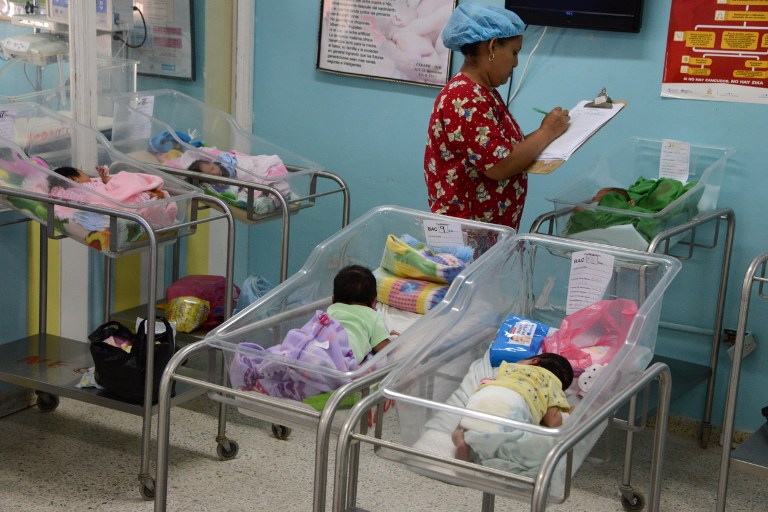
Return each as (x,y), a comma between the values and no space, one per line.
(470,130)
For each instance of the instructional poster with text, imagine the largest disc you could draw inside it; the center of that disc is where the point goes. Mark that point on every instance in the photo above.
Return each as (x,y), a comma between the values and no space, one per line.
(387,39)
(717,50)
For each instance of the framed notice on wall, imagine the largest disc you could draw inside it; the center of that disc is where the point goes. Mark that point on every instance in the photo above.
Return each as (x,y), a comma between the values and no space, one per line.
(387,39)
(716,50)
(163,39)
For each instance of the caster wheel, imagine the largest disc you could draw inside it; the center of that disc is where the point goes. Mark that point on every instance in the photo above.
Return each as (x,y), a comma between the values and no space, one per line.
(635,502)
(147,490)
(281,432)
(47,402)
(227,454)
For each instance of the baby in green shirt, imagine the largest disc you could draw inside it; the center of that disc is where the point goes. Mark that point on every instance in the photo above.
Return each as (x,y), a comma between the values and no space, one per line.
(354,307)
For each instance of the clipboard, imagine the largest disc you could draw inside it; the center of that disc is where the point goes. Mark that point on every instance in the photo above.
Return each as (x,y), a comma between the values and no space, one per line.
(548,166)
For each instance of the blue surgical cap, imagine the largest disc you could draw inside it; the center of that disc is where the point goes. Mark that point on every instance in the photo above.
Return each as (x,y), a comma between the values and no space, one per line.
(471,23)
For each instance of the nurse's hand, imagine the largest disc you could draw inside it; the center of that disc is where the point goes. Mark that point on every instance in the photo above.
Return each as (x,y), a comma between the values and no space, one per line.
(556,122)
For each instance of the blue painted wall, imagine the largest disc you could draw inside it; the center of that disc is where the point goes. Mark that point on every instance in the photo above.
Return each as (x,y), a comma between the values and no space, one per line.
(372,133)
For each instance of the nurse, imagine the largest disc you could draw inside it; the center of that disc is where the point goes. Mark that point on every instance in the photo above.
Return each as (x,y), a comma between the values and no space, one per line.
(476,154)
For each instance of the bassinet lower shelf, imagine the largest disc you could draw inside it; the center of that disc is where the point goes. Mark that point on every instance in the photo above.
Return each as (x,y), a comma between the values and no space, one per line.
(54,365)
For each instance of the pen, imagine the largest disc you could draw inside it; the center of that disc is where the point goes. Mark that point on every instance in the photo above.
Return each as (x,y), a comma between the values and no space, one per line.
(540,110)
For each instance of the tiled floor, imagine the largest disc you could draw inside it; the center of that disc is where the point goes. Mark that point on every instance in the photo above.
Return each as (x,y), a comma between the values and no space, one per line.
(82,457)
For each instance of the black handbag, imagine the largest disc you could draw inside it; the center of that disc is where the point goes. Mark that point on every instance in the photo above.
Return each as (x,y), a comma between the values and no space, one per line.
(123,373)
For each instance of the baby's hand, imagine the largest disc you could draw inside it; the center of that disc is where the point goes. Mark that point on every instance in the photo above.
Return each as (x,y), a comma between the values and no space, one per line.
(156,193)
(103,171)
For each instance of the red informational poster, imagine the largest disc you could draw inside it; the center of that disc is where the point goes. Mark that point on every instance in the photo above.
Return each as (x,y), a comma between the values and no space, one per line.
(717,50)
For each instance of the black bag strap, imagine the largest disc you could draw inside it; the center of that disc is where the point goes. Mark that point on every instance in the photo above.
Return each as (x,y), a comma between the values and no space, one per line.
(140,344)
(108,329)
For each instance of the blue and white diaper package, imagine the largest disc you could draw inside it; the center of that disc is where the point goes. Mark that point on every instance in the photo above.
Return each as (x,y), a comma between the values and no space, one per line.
(517,339)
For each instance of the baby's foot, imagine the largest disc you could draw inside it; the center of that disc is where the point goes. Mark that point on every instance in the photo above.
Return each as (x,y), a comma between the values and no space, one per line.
(462,452)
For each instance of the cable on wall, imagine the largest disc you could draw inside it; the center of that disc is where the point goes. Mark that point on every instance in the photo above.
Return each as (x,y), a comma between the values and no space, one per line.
(525,69)
(118,37)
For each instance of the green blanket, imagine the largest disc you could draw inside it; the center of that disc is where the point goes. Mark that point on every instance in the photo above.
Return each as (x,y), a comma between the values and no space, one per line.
(649,197)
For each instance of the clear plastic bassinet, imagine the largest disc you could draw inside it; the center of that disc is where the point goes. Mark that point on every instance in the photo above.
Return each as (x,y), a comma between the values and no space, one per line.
(294,302)
(41,140)
(291,304)
(634,158)
(141,119)
(528,276)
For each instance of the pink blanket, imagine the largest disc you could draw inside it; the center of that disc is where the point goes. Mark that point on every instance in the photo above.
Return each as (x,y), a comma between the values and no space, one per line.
(123,189)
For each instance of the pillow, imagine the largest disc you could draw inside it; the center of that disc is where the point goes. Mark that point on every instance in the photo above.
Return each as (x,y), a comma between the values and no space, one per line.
(402,260)
(408,294)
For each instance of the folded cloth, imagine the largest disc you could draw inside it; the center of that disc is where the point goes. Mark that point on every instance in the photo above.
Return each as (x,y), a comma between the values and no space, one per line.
(411,295)
(403,260)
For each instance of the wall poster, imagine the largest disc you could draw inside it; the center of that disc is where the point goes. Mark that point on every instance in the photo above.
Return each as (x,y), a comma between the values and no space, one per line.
(717,50)
(167,48)
(387,39)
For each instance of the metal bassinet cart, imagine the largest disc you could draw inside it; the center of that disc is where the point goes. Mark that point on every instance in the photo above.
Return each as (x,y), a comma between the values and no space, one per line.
(49,363)
(290,305)
(689,224)
(752,455)
(532,277)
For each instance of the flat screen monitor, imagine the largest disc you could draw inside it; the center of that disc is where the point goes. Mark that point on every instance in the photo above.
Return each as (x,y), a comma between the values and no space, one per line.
(613,15)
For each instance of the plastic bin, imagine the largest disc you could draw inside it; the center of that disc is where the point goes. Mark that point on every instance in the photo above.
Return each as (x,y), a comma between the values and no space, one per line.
(634,158)
(293,303)
(528,275)
(57,140)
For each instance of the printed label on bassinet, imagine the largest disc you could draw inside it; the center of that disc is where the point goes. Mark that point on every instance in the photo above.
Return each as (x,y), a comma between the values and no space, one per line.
(7,117)
(440,233)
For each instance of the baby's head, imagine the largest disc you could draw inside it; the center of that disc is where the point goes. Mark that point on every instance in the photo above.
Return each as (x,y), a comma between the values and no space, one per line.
(73,174)
(208,167)
(601,193)
(556,364)
(355,284)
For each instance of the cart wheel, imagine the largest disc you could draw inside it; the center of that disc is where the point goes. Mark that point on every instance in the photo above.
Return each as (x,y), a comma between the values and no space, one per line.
(227,454)
(635,502)
(47,402)
(147,489)
(281,432)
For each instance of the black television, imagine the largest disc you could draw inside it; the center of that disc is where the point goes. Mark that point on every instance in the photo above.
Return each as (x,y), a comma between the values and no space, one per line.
(613,15)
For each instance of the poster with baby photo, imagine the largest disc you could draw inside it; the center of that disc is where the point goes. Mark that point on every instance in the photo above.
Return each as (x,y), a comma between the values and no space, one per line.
(387,39)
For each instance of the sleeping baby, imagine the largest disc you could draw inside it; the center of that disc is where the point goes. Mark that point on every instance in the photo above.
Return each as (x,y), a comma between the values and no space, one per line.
(124,187)
(530,391)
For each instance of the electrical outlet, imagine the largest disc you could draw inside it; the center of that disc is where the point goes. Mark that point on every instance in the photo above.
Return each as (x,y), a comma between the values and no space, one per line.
(750,344)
